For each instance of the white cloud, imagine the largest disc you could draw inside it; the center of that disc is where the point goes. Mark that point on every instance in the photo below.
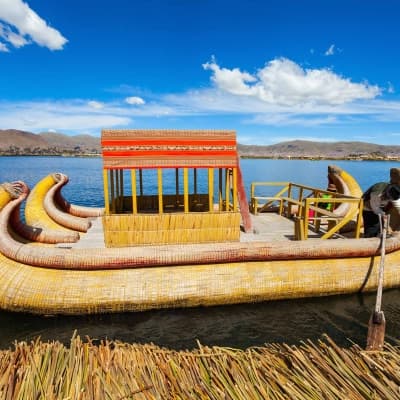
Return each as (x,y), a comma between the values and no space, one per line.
(18,15)
(330,51)
(232,81)
(11,37)
(283,82)
(134,100)
(285,119)
(3,48)
(75,116)
(95,104)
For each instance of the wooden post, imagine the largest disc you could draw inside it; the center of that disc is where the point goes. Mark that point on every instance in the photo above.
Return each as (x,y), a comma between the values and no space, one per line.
(220,189)
(211,189)
(112,191)
(235,190)
(177,186)
(242,200)
(227,194)
(160,191)
(117,190)
(134,196)
(195,180)
(121,183)
(185,190)
(141,182)
(106,194)
(377,322)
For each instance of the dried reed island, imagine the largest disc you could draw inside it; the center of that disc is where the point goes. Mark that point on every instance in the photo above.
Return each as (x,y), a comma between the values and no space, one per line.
(20,143)
(115,370)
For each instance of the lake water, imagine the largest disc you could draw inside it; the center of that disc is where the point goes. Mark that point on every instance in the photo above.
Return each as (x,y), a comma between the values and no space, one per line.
(344,318)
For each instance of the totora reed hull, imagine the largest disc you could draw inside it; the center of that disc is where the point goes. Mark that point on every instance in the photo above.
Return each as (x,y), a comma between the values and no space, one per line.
(39,276)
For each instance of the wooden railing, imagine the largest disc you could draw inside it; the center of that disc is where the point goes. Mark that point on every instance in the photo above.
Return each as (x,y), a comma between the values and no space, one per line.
(305,204)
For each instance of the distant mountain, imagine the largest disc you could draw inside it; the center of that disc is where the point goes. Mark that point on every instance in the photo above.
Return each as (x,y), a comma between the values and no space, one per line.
(71,142)
(14,138)
(304,148)
(13,141)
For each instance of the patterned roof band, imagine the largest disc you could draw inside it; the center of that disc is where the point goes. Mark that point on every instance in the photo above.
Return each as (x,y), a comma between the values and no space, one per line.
(164,148)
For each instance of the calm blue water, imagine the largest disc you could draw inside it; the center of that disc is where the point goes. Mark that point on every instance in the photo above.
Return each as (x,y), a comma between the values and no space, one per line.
(344,318)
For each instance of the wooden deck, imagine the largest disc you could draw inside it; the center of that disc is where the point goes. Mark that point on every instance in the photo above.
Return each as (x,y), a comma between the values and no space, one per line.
(266,227)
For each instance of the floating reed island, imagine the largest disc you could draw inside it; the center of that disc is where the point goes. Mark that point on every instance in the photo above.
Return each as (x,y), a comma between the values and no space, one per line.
(120,371)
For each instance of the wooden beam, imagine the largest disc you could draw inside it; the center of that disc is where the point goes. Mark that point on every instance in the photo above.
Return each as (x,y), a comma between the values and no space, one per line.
(235,190)
(121,184)
(134,195)
(117,191)
(227,189)
(195,180)
(242,200)
(112,191)
(106,194)
(185,190)
(141,182)
(211,189)
(220,197)
(160,191)
(177,185)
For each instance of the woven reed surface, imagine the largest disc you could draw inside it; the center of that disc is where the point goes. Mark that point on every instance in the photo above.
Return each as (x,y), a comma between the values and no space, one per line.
(126,230)
(168,148)
(59,216)
(54,291)
(5,197)
(120,371)
(35,214)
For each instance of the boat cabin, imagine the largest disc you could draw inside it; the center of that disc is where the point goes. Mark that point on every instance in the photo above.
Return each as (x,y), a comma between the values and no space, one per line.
(170,186)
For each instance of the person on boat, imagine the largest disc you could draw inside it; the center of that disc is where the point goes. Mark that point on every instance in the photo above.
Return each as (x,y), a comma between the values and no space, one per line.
(328,206)
(377,199)
(394,210)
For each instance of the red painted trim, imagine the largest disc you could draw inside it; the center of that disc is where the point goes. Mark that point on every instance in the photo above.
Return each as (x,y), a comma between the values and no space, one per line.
(168,153)
(204,166)
(170,142)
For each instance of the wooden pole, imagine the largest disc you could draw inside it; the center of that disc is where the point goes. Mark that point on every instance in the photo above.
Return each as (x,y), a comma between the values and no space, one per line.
(160,191)
(211,189)
(235,190)
(141,182)
(106,194)
(121,183)
(185,190)
(377,322)
(117,190)
(242,200)
(112,191)
(134,195)
(177,186)
(195,180)
(220,199)
(227,190)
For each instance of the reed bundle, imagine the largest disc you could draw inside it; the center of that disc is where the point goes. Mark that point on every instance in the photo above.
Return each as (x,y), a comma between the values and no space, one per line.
(115,370)
(35,214)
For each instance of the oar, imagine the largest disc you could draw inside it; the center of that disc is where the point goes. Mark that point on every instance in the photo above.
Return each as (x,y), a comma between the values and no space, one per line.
(377,322)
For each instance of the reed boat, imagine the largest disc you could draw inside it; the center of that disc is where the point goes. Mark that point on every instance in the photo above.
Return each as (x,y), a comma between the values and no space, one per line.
(207,243)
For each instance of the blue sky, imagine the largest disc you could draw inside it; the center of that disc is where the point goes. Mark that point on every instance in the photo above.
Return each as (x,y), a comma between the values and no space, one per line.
(271,70)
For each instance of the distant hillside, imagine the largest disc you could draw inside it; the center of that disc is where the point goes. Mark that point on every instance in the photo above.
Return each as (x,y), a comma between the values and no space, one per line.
(304,148)
(15,142)
(14,138)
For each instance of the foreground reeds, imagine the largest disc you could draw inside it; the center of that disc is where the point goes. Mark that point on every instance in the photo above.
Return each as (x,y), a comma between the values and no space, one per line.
(115,370)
